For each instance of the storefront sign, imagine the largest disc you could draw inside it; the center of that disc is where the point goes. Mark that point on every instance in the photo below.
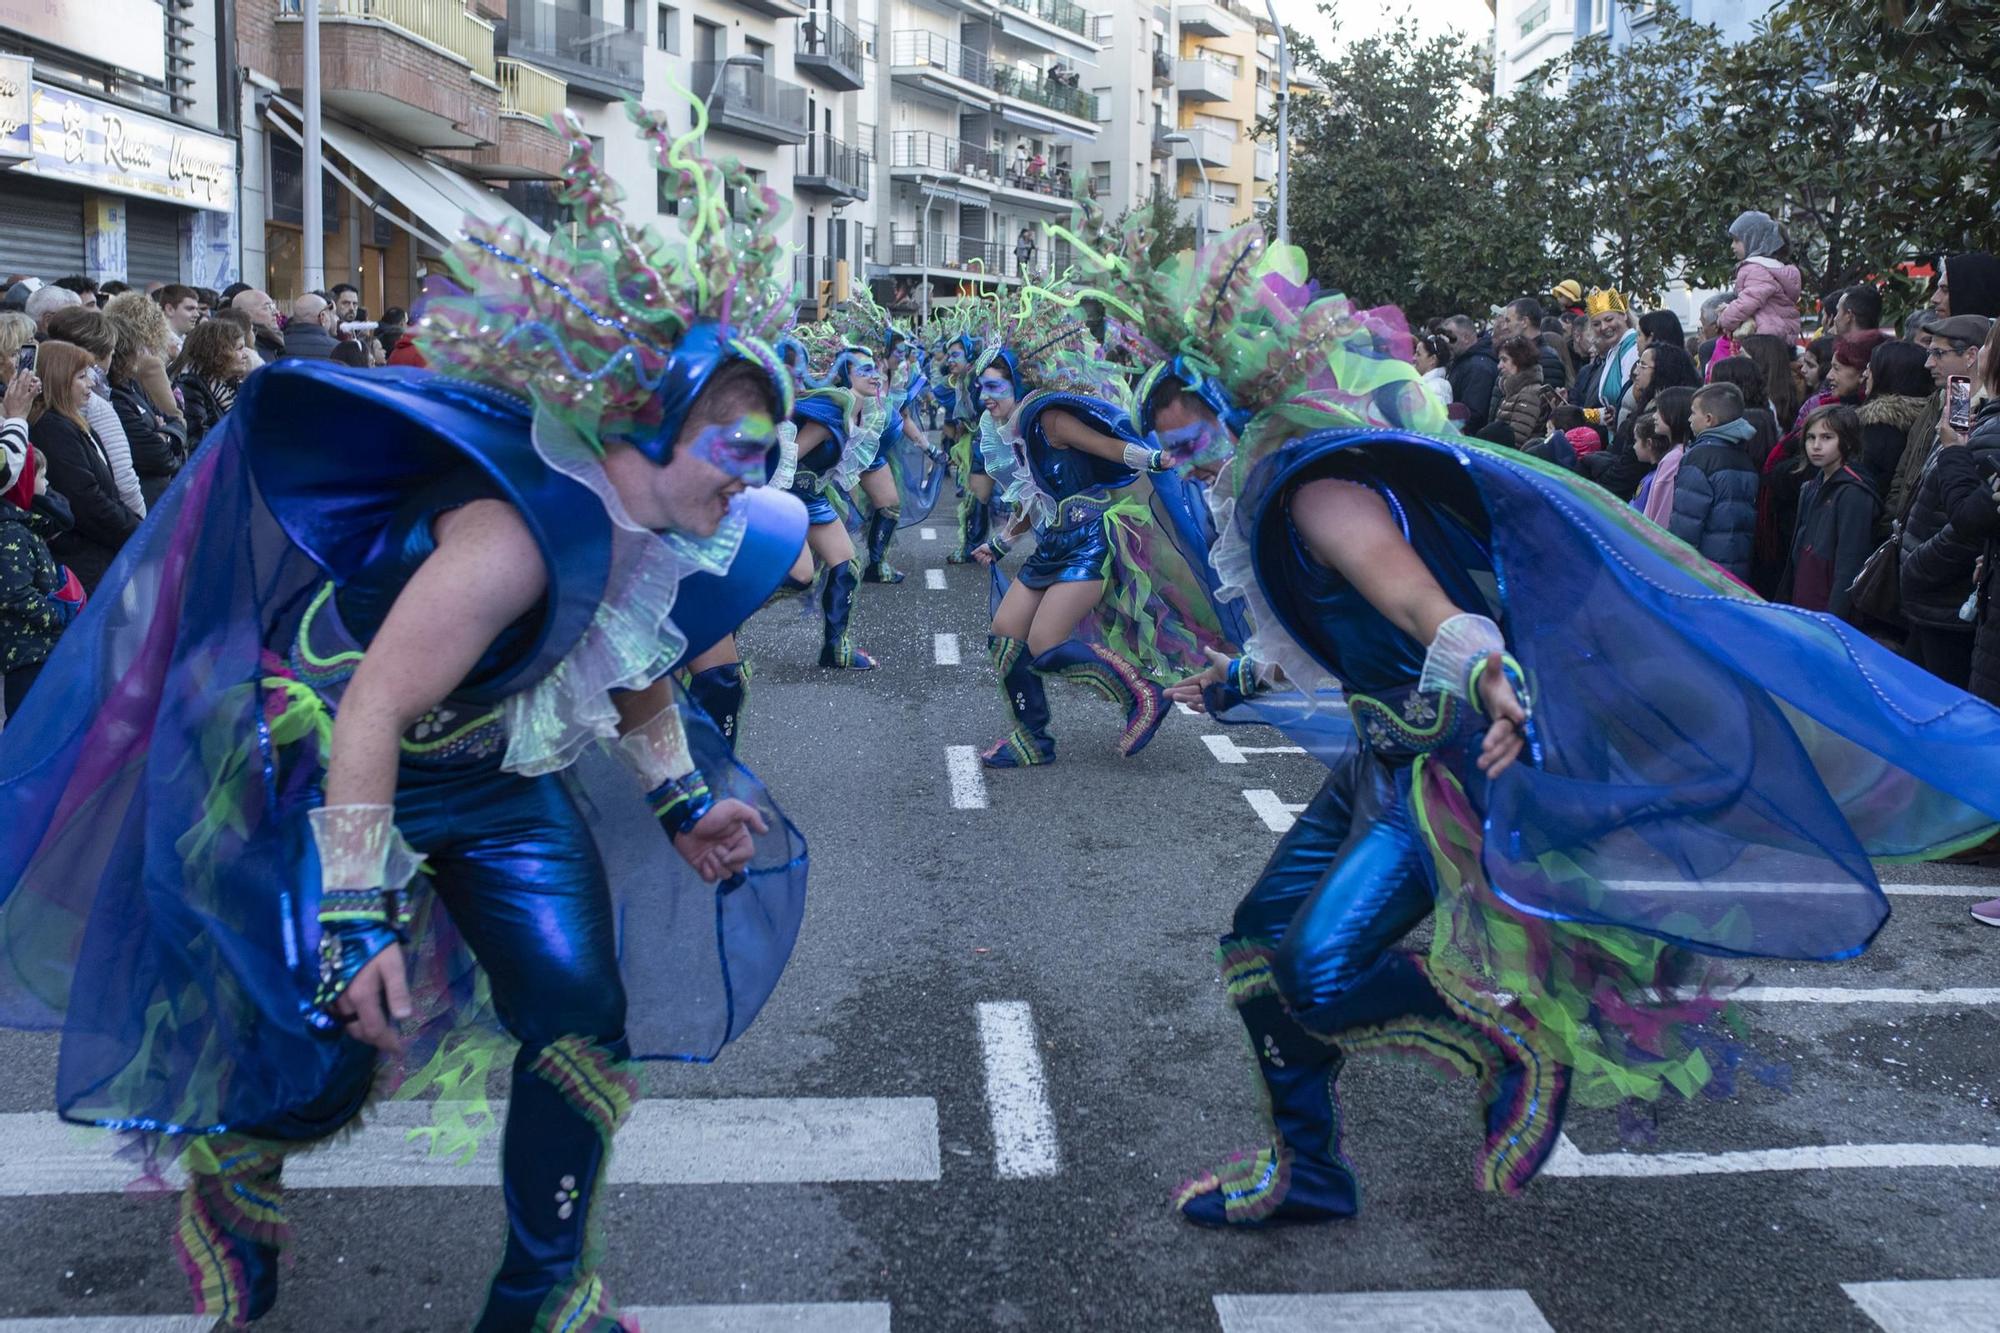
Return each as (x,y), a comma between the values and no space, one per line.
(125,34)
(87,142)
(16,107)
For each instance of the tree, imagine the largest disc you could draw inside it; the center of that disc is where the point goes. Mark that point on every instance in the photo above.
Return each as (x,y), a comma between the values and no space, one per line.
(1167,231)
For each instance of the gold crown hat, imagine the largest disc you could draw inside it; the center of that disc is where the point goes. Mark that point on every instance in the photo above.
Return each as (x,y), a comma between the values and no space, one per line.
(1604,301)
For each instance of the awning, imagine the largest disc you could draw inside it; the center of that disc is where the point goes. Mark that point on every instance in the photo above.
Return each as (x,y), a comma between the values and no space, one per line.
(438,198)
(1028,120)
(1075,50)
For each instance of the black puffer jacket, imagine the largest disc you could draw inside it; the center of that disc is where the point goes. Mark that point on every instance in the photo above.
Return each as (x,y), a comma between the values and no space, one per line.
(1938,558)
(1836,532)
(1977,519)
(1715,497)
(1472,374)
(159,446)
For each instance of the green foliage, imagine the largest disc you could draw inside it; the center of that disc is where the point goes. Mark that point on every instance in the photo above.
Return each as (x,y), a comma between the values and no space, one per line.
(1168,232)
(1870,130)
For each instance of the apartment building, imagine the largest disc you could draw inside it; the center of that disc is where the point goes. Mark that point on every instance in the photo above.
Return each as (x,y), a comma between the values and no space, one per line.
(117,140)
(1226,81)
(1528,33)
(1138,106)
(983,124)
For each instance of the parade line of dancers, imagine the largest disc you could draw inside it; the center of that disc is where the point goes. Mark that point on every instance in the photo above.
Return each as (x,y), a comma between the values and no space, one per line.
(395,747)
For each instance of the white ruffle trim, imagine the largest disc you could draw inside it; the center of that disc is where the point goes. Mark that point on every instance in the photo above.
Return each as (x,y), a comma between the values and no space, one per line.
(1004,454)
(631,640)
(1268,645)
(1459,642)
(360,847)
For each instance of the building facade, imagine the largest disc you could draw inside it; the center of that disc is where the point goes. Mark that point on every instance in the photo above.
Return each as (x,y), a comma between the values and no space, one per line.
(1226,81)
(117,139)
(1529,33)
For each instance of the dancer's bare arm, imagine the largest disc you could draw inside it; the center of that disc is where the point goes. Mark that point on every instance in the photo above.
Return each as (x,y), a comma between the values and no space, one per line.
(1069,432)
(1349,529)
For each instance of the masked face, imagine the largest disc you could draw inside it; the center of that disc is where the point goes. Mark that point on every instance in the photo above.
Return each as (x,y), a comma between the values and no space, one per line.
(954,359)
(996,394)
(692,493)
(1194,440)
(865,378)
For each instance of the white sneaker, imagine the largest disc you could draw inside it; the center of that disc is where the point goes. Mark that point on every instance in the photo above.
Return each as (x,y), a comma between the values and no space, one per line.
(1987,913)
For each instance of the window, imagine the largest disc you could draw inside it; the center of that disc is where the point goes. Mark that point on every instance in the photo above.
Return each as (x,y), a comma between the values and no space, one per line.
(1103,96)
(633,21)
(669,36)
(1600,15)
(1534,16)
(1223,192)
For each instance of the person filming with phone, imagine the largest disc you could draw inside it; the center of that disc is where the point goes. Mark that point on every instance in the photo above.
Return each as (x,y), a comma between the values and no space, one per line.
(1938,559)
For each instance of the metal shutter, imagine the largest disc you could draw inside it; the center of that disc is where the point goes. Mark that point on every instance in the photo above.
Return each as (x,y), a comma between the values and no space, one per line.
(152,242)
(41,229)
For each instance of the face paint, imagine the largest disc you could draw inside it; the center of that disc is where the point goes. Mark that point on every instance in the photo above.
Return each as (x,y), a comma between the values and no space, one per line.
(1201,446)
(996,388)
(738,448)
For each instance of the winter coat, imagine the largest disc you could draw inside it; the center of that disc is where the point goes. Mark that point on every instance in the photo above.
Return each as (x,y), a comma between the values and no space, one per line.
(204,407)
(1524,406)
(1715,497)
(1472,375)
(1977,519)
(304,339)
(159,446)
(406,353)
(80,473)
(1554,448)
(1435,379)
(1916,453)
(1885,433)
(1554,373)
(30,616)
(267,343)
(1836,533)
(1938,559)
(1767,296)
(1660,494)
(1615,472)
(1777,514)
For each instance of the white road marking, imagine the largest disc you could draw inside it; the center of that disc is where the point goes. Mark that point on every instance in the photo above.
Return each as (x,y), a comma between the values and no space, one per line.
(845,1317)
(666,1142)
(928,534)
(1570,1161)
(1017,1095)
(1227,751)
(968,782)
(1370,1311)
(934,580)
(1906,889)
(115,1323)
(1950,995)
(1951,1305)
(1276,814)
(945,648)
(1185,709)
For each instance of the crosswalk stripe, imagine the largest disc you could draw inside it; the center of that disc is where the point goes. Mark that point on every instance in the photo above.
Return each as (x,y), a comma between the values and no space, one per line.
(1370,1311)
(1017,1093)
(934,580)
(1227,751)
(1951,1305)
(749,1140)
(1569,1161)
(1950,995)
(142,1323)
(841,1317)
(1276,814)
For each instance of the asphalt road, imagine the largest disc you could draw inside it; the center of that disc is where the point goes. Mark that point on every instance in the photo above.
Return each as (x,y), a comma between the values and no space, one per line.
(1090,893)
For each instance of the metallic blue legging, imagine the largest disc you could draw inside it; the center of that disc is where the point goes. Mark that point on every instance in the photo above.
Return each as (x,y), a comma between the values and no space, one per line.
(1345,883)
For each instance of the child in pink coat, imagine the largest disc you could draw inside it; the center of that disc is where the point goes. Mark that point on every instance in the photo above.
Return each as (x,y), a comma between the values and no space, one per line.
(1767,288)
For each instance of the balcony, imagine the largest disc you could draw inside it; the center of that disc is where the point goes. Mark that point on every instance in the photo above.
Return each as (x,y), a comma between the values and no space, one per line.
(752,103)
(419,71)
(912,247)
(1267,163)
(774,9)
(1044,92)
(829,51)
(939,65)
(1204,80)
(1058,13)
(825,165)
(1204,18)
(1267,101)
(1210,147)
(600,60)
(922,151)
(1052,188)
(1161,148)
(528,147)
(1163,70)
(1207,215)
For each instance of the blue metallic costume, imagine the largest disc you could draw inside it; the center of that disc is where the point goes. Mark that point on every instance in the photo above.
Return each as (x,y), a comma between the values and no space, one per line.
(822,471)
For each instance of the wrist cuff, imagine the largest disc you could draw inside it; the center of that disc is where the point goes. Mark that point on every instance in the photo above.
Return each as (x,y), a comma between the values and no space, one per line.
(1141,459)
(1462,642)
(360,850)
(656,750)
(1509,668)
(679,803)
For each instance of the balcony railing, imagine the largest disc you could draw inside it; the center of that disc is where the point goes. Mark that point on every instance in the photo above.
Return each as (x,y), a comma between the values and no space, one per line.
(751,102)
(1161,148)
(602,57)
(1053,179)
(1211,147)
(923,150)
(530,93)
(922,49)
(831,50)
(1163,70)
(910,247)
(826,164)
(446,24)
(1062,13)
(808,272)
(1043,92)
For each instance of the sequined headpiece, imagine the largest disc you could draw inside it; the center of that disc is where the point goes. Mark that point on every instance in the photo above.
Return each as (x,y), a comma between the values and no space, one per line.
(615,329)
(1048,346)
(1604,301)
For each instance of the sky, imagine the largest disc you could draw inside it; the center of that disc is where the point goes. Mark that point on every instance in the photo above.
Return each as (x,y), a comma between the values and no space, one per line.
(1365,18)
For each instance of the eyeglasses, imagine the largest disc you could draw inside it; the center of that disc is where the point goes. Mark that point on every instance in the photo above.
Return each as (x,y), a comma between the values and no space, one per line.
(1938,349)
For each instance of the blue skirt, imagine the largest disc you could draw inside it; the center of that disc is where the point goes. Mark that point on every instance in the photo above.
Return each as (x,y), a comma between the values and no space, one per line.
(819,509)
(1074,554)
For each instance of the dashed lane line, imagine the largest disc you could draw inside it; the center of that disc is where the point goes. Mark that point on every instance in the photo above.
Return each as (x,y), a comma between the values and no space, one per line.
(934,580)
(1227,751)
(842,1317)
(944,647)
(1570,1162)
(1976,996)
(1276,814)
(968,780)
(677,1141)
(1950,1305)
(1369,1311)
(928,534)
(1017,1093)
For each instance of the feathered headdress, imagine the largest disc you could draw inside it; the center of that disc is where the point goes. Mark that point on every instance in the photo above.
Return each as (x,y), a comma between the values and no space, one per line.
(1046,345)
(611,328)
(856,327)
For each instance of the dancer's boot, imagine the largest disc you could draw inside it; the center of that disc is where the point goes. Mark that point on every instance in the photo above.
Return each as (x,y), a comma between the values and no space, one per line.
(881,532)
(719,691)
(1028,745)
(1114,678)
(837,602)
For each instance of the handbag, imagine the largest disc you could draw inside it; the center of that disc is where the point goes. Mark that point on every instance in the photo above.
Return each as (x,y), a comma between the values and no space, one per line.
(1877,591)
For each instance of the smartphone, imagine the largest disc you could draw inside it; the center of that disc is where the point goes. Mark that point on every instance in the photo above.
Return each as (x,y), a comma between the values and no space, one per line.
(1958,403)
(26,359)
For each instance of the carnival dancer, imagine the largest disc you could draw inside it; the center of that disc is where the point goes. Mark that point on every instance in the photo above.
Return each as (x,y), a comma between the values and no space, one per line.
(823,448)
(964,347)
(1595,834)
(1088,604)
(318,669)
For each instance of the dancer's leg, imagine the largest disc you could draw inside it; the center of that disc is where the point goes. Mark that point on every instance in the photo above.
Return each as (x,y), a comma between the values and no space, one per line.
(879,485)
(1093,666)
(830,545)
(717,684)
(1028,743)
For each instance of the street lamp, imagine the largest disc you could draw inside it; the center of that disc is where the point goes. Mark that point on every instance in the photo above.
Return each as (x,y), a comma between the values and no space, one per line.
(1201,212)
(1284,126)
(948,178)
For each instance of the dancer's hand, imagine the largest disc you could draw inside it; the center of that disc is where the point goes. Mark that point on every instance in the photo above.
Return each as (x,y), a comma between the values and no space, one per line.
(376,1001)
(984,553)
(1189,691)
(1509,730)
(720,844)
